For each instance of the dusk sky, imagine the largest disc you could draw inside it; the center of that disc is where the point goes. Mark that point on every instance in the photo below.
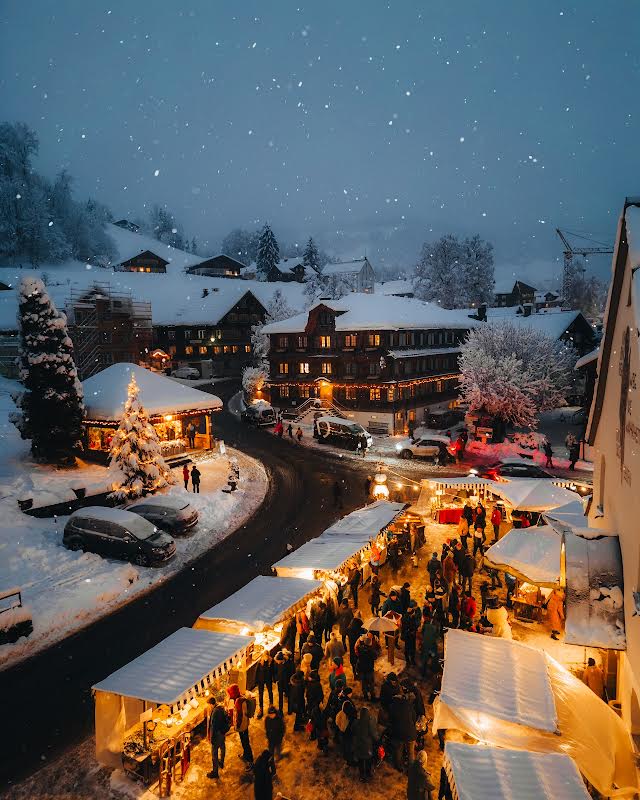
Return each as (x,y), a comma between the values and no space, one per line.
(370,126)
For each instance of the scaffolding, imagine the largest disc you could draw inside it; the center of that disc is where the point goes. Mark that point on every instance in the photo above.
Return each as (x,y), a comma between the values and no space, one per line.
(107,327)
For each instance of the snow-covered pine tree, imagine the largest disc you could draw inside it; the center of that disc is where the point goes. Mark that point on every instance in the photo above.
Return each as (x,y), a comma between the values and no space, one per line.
(315,286)
(268,253)
(437,275)
(477,273)
(135,457)
(311,256)
(51,407)
(515,372)
(278,308)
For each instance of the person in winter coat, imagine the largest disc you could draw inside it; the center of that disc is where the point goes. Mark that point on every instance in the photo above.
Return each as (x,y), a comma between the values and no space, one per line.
(402,727)
(195,479)
(480,516)
(217,727)
(419,786)
(319,619)
(185,476)
(354,632)
(345,615)
(555,612)
(346,737)
(334,648)
(468,608)
(433,567)
(454,606)
(336,671)
(429,646)
(290,430)
(314,694)
(274,729)
(263,773)
(467,513)
(355,579)
(548,452)
(496,521)
(191,435)
(366,659)
(405,596)
(284,669)
(299,435)
(367,489)
(448,569)
(468,567)
(574,455)
(410,688)
(302,628)
(478,538)
(288,635)
(311,646)
(389,689)
(241,721)
(409,627)
(265,674)
(305,664)
(375,595)
(459,553)
(594,678)
(297,699)
(333,702)
(392,603)
(365,738)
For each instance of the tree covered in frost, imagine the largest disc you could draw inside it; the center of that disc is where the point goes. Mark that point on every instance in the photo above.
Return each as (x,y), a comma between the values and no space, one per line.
(584,292)
(254,379)
(164,227)
(455,273)
(51,407)
(278,308)
(241,245)
(514,372)
(255,376)
(315,287)
(311,256)
(268,253)
(40,221)
(136,458)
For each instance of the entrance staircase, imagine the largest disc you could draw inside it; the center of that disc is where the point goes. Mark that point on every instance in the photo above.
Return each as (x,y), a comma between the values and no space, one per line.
(307,411)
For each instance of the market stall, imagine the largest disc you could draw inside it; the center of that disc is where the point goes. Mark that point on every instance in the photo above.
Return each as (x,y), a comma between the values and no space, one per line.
(530,497)
(443,499)
(322,558)
(522,698)
(259,610)
(146,711)
(482,772)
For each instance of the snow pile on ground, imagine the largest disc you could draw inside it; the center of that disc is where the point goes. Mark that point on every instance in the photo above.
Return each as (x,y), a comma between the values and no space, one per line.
(66,590)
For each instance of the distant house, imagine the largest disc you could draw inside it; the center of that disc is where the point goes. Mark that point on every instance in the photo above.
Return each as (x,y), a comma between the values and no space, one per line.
(221,266)
(519,294)
(395,288)
(143,262)
(359,274)
(547,299)
(127,226)
(287,270)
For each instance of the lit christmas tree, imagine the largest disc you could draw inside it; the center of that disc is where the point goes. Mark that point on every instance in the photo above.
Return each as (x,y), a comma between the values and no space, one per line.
(135,452)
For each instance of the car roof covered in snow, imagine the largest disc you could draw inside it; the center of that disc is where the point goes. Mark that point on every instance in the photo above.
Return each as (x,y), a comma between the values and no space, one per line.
(106,393)
(162,501)
(359,311)
(118,515)
(338,421)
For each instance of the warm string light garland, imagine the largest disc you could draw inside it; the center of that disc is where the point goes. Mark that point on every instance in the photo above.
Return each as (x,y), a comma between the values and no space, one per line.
(372,385)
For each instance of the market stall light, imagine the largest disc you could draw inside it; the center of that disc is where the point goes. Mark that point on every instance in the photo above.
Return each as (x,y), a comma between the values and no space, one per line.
(473,471)
(380,491)
(399,485)
(168,417)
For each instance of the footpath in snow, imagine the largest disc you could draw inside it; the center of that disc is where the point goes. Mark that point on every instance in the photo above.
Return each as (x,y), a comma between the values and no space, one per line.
(67,590)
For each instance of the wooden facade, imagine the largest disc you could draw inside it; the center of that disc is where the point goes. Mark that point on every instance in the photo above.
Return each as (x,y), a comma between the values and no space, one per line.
(221,266)
(143,262)
(521,294)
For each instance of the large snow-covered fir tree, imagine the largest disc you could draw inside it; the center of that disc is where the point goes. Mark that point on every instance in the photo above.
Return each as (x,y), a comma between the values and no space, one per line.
(268,253)
(514,372)
(455,273)
(311,256)
(278,308)
(136,459)
(51,407)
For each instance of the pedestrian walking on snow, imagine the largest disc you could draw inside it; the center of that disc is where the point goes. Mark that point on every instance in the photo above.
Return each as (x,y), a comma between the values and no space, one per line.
(217,727)
(548,452)
(274,729)
(299,435)
(264,771)
(419,786)
(195,479)
(496,520)
(290,430)
(337,495)
(367,489)
(574,455)
(185,476)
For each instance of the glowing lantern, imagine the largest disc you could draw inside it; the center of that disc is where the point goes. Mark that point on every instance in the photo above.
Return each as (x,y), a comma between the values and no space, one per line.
(380,488)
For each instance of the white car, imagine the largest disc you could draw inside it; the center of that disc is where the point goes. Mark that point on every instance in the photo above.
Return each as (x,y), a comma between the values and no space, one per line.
(186,373)
(427,446)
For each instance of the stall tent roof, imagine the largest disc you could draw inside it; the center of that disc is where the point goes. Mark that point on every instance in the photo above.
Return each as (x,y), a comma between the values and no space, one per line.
(595,614)
(510,680)
(325,555)
(168,671)
(481,772)
(531,554)
(532,494)
(369,520)
(106,393)
(262,602)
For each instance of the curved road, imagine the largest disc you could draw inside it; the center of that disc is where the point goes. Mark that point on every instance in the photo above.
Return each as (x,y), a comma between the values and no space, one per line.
(46,700)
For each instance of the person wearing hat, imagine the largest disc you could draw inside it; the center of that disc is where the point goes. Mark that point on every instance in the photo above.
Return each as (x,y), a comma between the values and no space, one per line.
(296,699)
(265,675)
(419,786)
(311,646)
(366,654)
(274,729)
(405,595)
(392,603)
(334,647)
(241,721)
(409,626)
(284,670)
(337,671)
(217,727)
(264,771)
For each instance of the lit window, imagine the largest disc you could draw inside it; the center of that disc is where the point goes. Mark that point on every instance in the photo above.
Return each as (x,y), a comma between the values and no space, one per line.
(350,340)
(305,391)
(226,348)
(202,350)
(438,386)
(302,342)
(304,367)
(325,342)
(284,391)
(247,348)
(283,368)
(374,340)
(374,393)
(351,393)
(326,368)
(391,395)
(217,349)
(234,348)
(188,350)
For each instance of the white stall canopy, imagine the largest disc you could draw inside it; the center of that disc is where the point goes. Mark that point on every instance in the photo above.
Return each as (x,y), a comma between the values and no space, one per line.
(506,694)
(532,494)
(317,556)
(261,604)
(480,772)
(171,670)
(369,520)
(595,613)
(465,482)
(531,554)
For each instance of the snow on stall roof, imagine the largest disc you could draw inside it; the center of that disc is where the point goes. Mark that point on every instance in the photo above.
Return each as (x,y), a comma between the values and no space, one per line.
(106,393)
(320,554)
(532,554)
(358,311)
(521,695)
(532,494)
(263,602)
(568,517)
(165,673)
(482,772)
(369,520)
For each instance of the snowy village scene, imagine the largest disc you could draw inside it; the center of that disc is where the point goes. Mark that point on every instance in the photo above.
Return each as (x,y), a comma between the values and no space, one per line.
(319,400)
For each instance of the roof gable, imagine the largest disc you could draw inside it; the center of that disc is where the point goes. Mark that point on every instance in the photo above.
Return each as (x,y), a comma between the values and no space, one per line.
(144,254)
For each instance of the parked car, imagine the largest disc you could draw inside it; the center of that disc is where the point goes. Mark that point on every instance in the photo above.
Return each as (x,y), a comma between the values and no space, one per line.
(117,533)
(428,446)
(260,413)
(186,373)
(513,469)
(168,513)
(343,433)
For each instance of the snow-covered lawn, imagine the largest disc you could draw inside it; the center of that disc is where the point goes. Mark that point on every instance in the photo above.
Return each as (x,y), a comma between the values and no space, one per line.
(66,590)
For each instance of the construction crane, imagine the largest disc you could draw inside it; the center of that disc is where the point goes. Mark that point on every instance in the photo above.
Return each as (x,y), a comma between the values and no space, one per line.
(571,250)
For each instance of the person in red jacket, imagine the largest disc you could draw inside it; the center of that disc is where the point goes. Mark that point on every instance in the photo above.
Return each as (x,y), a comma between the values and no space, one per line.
(496,519)
(241,721)
(185,476)
(469,608)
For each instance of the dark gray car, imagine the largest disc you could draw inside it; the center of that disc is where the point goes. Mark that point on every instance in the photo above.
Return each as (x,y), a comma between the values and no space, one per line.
(168,513)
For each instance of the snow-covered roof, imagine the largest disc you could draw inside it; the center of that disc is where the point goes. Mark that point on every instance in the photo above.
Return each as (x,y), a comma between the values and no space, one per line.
(567,517)
(552,322)
(595,614)
(504,285)
(424,351)
(359,311)
(131,244)
(167,672)
(588,359)
(531,554)
(500,678)
(396,287)
(323,555)
(118,515)
(344,267)
(481,772)
(369,520)
(532,494)
(106,393)
(263,602)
